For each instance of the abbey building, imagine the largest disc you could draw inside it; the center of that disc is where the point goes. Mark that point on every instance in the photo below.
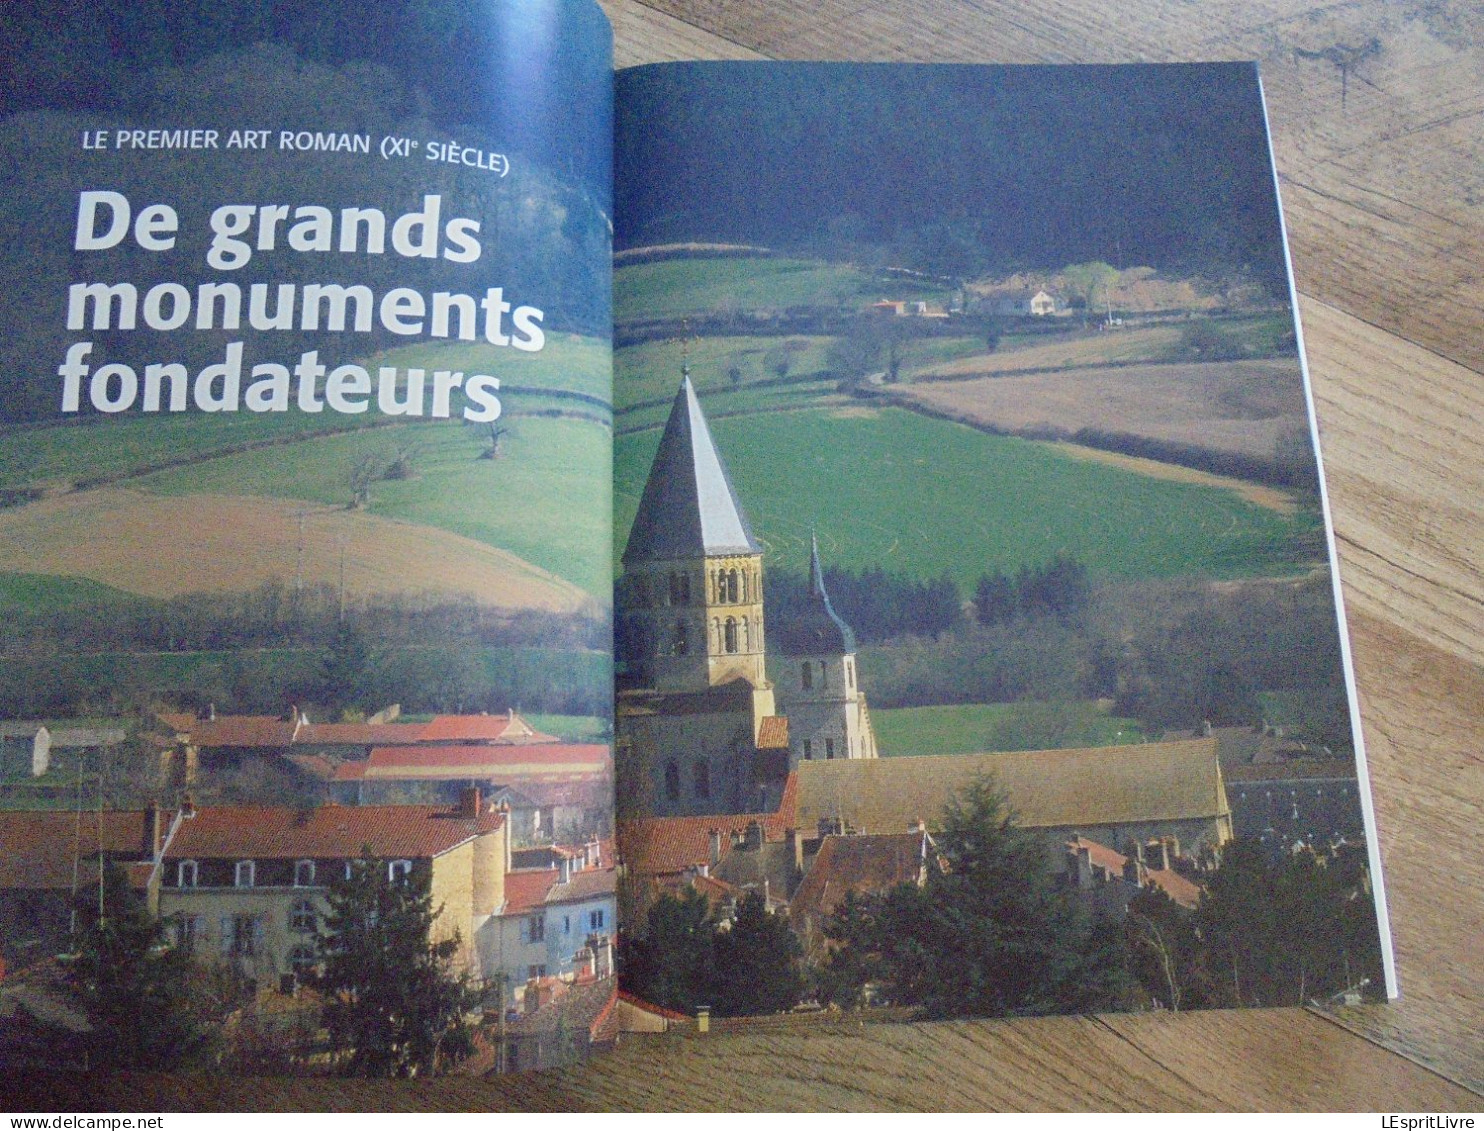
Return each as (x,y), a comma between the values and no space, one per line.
(701,726)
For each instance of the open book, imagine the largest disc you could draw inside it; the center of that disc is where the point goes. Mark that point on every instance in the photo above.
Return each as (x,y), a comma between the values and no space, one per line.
(496,555)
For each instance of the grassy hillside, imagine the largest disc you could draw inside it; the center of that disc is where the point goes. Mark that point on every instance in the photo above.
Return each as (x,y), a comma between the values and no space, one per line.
(861,476)
(544,501)
(973,728)
(111,447)
(673,288)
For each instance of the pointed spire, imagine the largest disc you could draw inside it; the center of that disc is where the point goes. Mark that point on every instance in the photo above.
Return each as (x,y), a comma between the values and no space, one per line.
(816,629)
(689,508)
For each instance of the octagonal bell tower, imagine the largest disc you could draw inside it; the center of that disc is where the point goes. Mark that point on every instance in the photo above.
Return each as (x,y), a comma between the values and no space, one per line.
(691,597)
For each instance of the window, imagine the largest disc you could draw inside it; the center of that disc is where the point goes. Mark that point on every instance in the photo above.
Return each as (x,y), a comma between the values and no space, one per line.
(672,781)
(806,675)
(680,642)
(188,930)
(536,928)
(731,587)
(304,918)
(829,748)
(243,936)
(304,873)
(703,779)
(186,874)
(534,971)
(245,874)
(849,675)
(824,675)
(595,920)
(729,639)
(808,750)
(398,871)
(303,960)
(566,924)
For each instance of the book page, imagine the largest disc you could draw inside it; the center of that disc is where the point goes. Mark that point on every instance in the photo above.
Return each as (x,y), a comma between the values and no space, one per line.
(305,676)
(977,629)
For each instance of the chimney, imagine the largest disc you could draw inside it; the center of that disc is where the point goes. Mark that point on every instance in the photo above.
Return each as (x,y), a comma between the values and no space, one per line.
(469,802)
(566,866)
(715,838)
(754,836)
(504,811)
(795,848)
(151,841)
(1159,855)
(915,825)
(1083,856)
(1133,871)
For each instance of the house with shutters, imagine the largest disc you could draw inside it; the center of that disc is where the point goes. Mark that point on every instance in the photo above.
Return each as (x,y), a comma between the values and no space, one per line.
(247,884)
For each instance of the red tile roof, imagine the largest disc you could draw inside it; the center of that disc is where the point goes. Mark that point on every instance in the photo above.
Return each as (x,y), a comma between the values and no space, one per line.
(527,888)
(281,833)
(543,761)
(584,885)
(359,734)
(1183,891)
(657,846)
(37,849)
(510,728)
(861,864)
(772,733)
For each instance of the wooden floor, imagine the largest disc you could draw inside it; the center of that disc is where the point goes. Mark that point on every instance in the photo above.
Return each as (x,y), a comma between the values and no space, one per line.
(1382,173)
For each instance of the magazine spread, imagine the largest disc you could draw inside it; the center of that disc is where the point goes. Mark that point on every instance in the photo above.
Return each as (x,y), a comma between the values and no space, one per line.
(938,490)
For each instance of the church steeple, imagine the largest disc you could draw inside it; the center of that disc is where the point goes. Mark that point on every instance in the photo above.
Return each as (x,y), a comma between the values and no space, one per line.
(817,629)
(691,597)
(689,507)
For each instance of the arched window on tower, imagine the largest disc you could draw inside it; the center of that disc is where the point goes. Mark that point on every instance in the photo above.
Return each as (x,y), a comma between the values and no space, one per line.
(746,636)
(680,640)
(672,781)
(703,779)
(806,675)
(731,587)
(746,589)
(729,635)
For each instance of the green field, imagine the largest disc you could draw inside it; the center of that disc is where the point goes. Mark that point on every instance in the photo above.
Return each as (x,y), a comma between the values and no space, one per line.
(545,499)
(973,728)
(37,593)
(573,728)
(919,496)
(118,446)
(673,288)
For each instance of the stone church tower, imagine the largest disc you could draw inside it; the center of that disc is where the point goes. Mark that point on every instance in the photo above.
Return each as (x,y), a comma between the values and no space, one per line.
(694,699)
(693,574)
(696,727)
(826,709)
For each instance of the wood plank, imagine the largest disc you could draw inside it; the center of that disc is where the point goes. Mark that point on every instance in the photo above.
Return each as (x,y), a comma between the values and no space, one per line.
(1286,1059)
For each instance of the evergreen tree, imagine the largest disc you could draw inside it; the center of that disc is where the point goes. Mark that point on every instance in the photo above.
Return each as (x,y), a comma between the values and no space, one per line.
(671,964)
(135,991)
(755,963)
(393,1004)
(990,933)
